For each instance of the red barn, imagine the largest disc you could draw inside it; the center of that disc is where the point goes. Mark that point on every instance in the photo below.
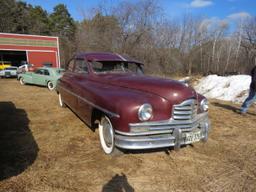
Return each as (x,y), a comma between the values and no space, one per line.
(17,49)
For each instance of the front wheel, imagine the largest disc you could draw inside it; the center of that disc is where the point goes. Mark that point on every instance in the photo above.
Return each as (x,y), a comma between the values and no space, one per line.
(62,104)
(50,86)
(107,136)
(22,82)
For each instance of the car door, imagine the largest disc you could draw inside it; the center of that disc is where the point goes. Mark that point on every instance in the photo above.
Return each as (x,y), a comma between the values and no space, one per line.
(48,75)
(39,77)
(83,107)
(65,85)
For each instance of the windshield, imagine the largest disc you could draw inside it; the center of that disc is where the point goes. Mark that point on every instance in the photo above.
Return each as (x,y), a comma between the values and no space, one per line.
(60,71)
(11,68)
(116,67)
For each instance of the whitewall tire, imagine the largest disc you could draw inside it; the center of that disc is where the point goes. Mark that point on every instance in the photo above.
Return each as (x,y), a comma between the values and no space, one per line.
(22,81)
(62,104)
(107,134)
(50,86)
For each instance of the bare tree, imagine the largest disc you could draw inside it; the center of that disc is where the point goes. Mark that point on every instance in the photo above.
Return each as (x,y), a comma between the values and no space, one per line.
(249,40)
(189,45)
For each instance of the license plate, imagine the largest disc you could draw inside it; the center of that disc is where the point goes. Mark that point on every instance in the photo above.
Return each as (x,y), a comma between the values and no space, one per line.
(192,137)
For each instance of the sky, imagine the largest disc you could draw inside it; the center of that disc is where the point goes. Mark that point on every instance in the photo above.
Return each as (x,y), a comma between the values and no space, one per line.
(212,9)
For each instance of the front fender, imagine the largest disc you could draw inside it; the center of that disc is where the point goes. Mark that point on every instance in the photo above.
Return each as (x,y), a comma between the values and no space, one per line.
(128,106)
(26,77)
(124,104)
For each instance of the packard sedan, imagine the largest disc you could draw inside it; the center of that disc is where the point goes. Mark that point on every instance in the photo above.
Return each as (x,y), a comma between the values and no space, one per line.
(44,76)
(132,111)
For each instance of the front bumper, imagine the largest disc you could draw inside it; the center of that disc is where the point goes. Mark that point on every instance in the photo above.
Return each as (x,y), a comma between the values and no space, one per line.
(169,133)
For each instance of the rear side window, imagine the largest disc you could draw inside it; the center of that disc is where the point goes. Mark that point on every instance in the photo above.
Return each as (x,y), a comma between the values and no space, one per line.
(40,71)
(81,66)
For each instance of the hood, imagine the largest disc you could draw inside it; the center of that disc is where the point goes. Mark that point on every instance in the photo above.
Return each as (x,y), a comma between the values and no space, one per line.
(171,90)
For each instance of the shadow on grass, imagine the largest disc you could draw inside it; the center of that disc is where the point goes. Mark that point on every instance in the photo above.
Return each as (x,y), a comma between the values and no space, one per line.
(225,106)
(230,107)
(118,183)
(166,150)
(18,149)
(35,85)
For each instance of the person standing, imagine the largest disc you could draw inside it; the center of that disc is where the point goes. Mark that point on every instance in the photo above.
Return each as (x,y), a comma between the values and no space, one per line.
(252,93)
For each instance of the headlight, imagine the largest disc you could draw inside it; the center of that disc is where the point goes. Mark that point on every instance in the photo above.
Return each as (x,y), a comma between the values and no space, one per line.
(145,112)
(204,105)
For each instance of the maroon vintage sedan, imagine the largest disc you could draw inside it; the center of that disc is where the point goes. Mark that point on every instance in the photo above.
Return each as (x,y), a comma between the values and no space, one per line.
(131,110)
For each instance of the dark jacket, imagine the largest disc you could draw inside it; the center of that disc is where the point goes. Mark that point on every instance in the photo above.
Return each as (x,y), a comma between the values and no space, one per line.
(253,83)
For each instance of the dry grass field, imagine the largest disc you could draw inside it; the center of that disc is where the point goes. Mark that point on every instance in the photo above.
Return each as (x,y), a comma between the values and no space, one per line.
(45,148)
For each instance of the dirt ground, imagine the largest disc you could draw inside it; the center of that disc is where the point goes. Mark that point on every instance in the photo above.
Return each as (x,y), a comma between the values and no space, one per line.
(46,148)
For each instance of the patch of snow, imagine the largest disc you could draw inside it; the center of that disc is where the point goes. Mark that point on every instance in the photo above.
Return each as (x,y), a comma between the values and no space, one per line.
(231,88)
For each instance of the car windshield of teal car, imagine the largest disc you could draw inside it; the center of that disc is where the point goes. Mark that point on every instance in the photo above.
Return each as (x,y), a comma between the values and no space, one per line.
(60,71)
(117,67)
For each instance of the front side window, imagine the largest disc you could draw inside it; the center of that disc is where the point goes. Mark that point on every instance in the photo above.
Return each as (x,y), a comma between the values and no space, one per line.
(81,66)
(116,67)
(40,71)
(11,68)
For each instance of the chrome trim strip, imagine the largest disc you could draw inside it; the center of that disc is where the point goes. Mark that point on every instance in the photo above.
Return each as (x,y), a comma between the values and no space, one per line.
(143,133)
(90,103)
(182,112)
(185,110)
(187,102)
(169,122)
(166,133)
(178,136)
(146,142)
(176,139)
(146,138)
(164,127)
(121,57)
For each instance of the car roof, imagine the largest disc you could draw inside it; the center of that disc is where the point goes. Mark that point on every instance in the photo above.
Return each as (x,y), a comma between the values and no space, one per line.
(106,56)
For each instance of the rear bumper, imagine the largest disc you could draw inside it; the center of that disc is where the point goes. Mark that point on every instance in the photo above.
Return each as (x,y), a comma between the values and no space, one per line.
(169,133)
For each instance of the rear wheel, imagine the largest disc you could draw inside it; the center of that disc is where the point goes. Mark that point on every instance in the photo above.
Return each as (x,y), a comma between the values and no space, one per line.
(107,136)
(22,82)
(62,104)
(50,86)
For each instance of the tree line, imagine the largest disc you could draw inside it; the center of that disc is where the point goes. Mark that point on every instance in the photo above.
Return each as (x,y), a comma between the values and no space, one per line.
(23,18)
(188,45)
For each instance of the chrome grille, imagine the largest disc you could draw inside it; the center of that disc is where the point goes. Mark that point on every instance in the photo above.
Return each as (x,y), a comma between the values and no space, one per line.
(187,110)
(7,73)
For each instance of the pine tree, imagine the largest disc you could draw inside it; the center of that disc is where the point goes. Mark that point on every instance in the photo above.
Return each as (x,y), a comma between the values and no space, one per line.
(62,24)
(39,21)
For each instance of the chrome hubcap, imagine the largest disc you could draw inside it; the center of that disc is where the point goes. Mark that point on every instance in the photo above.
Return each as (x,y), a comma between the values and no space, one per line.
(50,85)
(107,133)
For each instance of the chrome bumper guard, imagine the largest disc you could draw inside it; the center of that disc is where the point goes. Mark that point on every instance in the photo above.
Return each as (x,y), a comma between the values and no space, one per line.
(169,133)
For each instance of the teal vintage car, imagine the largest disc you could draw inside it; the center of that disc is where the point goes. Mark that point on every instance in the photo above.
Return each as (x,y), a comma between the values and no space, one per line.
(44,76)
